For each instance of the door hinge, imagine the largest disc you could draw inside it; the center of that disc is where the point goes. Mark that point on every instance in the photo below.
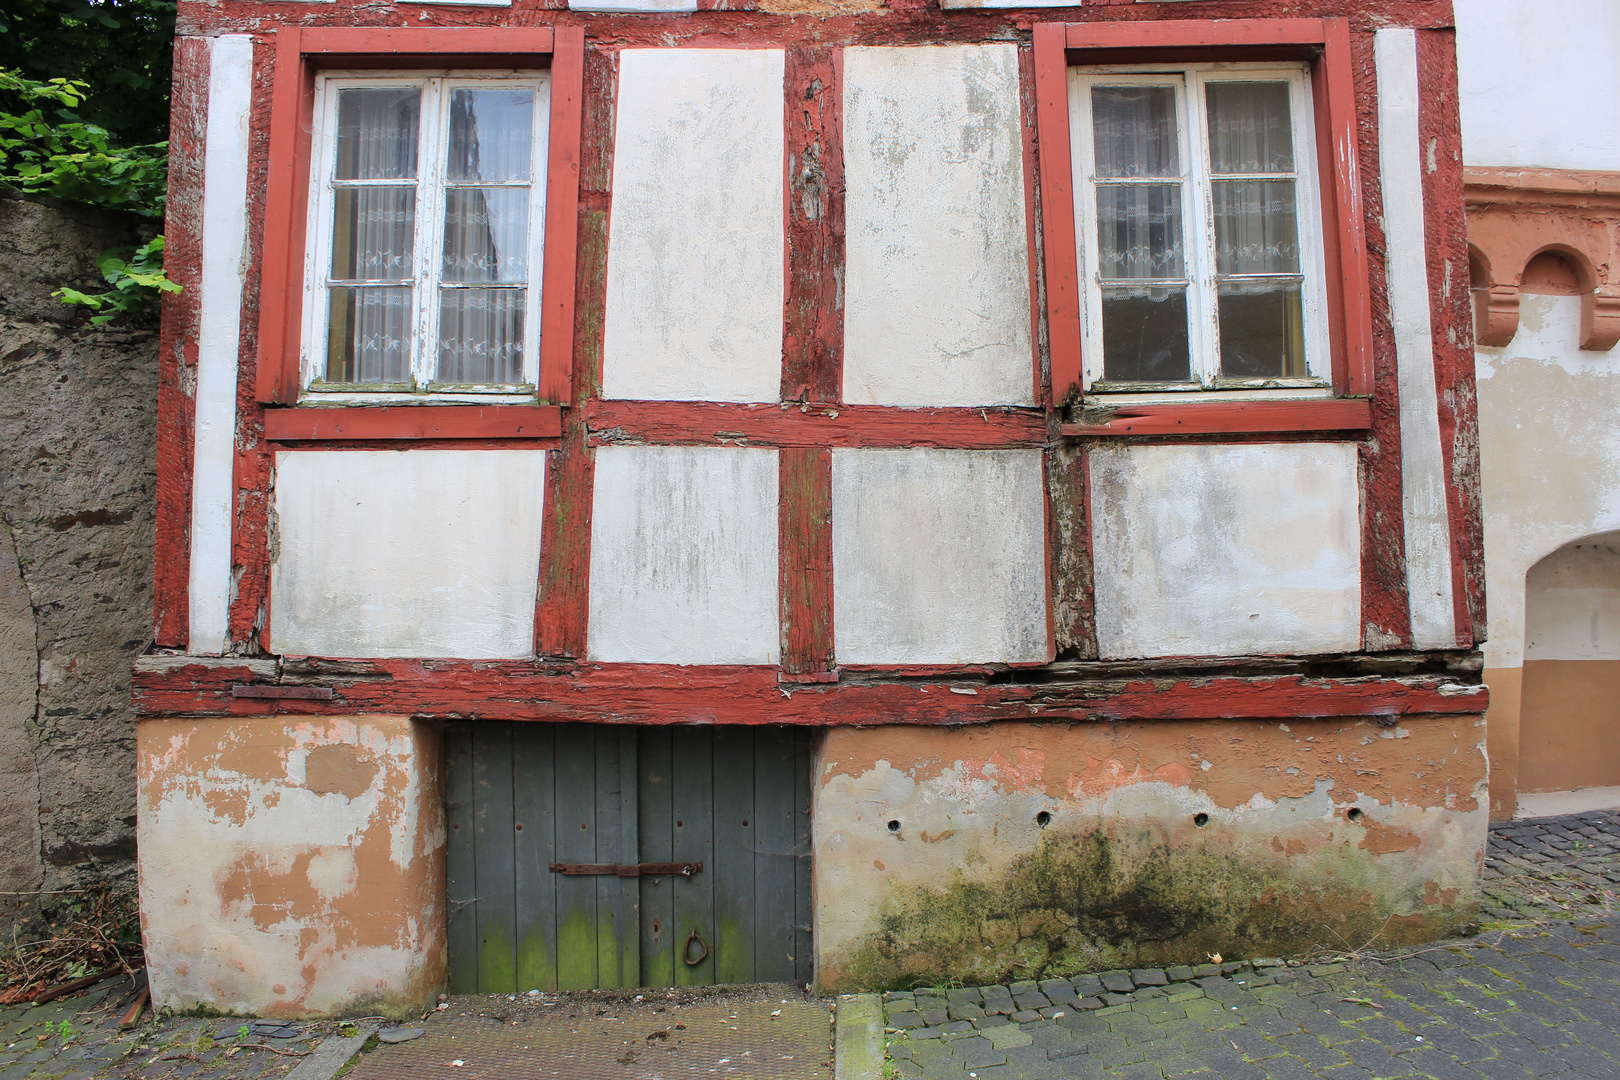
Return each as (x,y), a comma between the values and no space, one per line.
(646,869)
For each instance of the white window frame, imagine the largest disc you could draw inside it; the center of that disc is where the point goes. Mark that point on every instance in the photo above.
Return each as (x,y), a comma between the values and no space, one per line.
(1198,225)
(433,148)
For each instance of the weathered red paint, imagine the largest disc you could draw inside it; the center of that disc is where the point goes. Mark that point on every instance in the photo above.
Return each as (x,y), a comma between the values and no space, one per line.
(669,694)
(557,283)
(1385,611)
(1337,414)
(813,319)
(1324,42)
(805,543)
(314,424)
(1057,212)
(300,53)
(1451,315)
(177,349)
(812,424)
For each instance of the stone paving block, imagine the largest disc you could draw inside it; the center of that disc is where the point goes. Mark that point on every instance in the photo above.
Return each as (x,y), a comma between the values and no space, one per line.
(1118,982)
(905,1018)
(976,1053)
(990,1022)
(1008,1037)
(1086,984)
(935,1016)
(1149,977)
(965,1010)
(1031,999)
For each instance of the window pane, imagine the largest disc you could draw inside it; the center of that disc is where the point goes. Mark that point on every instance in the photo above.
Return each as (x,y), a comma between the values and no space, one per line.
(490,134)
(1139,231)
(1262,330)
(368,335)
(1255,227)
(481,335)
(486,234)
(1145,335)
(376,137)
(1134,130)
(1249,130)
(373,233)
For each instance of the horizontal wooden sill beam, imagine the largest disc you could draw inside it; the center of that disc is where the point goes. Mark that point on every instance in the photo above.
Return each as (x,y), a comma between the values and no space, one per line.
(706,423)
(1231,417)
(669,694)
(319,423)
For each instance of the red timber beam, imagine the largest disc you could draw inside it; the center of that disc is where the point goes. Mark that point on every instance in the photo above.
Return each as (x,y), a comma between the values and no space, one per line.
(668,694)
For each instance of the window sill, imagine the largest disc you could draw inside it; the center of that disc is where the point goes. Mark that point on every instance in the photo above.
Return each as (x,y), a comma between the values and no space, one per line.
(382,422)
(1229,417)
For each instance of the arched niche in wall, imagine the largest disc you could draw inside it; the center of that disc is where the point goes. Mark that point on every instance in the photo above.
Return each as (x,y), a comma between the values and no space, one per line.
(1521,225)
(1569,721)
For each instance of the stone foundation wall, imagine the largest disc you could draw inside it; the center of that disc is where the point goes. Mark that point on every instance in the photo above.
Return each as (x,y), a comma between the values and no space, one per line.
(1020,851)
(77,421)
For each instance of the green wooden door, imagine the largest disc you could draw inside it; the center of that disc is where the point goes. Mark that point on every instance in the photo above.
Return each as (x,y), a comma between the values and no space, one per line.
(522,798)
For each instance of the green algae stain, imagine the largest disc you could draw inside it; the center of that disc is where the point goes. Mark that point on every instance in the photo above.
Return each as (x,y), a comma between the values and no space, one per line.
(536,966)
(576,952)
(1092,902)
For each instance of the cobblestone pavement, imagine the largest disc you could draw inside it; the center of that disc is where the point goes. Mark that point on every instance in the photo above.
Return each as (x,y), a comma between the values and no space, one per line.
(77,1038)
(1536,993)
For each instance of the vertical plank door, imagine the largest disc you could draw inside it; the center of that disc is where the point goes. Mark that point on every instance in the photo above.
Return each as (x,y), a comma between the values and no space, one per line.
(523,797)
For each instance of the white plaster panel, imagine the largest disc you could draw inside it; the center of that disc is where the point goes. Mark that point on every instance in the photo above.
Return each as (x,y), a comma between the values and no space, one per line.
(1572,603)
(697,238)
(1549,451)
(1538,83)
(937,256)
(432,553)
(1226,550)
(939,556)
(684,556)
(224,235)
(1423,476)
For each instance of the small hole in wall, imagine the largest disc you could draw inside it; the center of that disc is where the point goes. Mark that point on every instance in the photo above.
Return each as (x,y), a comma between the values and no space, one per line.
(1354,814)
(1043,819)
(1200,819)
(519,828)
(894,826)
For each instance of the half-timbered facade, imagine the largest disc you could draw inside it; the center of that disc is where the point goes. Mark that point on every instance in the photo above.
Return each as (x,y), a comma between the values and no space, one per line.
(661,493)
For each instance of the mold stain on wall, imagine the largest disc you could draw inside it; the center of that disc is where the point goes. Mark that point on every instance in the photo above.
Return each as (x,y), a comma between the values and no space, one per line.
(1023,851)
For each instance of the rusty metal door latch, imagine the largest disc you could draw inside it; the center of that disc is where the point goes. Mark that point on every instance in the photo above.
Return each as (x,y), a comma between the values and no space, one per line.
(646,869)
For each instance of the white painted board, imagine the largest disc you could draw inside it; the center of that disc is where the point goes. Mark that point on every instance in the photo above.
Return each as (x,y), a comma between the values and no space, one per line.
(1423,474)
(219,333)
(697,236)
(431,553)
(937,256)
(1231,550)
(939,557)
(684,556)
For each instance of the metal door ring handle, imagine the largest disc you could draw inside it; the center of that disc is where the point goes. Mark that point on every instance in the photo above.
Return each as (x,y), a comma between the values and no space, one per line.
(686,950)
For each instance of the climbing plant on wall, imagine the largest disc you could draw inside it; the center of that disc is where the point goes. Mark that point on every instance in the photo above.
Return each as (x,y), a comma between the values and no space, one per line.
(46,148)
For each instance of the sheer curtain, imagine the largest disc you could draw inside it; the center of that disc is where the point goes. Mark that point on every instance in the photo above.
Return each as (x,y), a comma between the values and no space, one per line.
(484,264)
(373,235)
(1140,237)
(1257,256)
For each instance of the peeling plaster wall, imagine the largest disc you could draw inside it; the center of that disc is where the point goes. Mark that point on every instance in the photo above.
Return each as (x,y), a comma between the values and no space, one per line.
(294,868)
(407,553)
(684,557)
(938,556)
(1226,550)
(937,248)
(1549,457)
(695,244)
(77,420)
(931,864)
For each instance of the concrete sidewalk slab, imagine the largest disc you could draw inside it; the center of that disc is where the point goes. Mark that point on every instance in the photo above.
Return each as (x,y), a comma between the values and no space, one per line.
(748,1033)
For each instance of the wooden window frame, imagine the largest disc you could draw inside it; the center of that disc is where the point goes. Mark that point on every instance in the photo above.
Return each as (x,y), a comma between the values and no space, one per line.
(300,55)
(1325,45)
